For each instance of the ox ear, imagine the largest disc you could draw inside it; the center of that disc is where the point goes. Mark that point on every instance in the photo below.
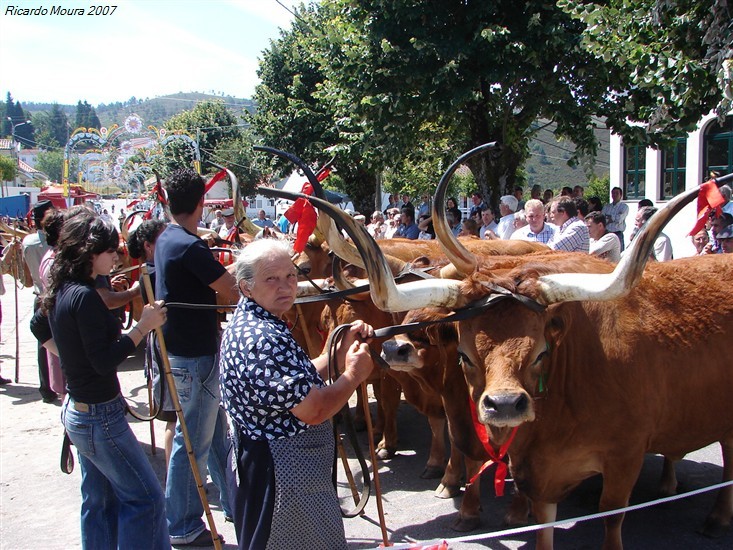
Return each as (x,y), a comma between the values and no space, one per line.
(555,330)
(442,333)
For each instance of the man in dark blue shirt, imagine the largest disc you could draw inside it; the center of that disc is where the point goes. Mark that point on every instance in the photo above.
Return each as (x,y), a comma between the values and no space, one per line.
(408,229)
(187,272)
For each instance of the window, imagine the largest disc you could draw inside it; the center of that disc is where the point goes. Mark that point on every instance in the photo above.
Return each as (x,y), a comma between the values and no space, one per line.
(719,147)
(634,172)
(674,161)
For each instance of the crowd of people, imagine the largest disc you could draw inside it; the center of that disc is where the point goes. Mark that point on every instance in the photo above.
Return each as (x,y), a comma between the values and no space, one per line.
(250,396)
(231,387)
(568,222)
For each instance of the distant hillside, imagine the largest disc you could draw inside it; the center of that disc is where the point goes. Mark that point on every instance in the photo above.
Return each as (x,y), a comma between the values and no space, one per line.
(153,111)
(547,165)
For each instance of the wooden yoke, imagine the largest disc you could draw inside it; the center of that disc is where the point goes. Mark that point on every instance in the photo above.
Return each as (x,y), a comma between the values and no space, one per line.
(179,413)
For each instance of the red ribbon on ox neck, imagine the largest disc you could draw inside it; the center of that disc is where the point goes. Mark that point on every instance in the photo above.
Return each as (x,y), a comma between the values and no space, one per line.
(494,458)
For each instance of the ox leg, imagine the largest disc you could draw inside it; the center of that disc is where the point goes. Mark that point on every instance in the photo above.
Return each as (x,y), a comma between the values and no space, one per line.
(435,467)
(450,483)
(545,512)
(718,521)
(668,483)
(388,401)
(519,509)
(468,513)
(619,478)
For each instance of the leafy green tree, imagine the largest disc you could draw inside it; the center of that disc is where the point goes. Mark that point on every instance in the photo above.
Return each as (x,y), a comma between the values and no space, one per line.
(8,169)
(671,62)
(58,125)
(51,163)
(486,71)
(86,116)
(210,123)
(238,156)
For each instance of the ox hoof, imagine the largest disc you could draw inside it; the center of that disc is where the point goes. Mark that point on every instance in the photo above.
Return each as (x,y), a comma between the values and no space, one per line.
(385,453)
(713,529)
(516,520)
(463,525)
(432,472)
(447,491)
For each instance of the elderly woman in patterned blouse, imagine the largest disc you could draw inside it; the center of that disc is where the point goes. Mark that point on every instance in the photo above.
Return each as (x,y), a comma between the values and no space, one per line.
(280,408)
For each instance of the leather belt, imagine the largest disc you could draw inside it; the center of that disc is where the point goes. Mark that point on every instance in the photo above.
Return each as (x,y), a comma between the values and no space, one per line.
(80,407)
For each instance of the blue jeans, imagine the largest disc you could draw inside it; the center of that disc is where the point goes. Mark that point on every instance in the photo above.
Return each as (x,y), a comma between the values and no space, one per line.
(219,461)
(197,384)
(122,502)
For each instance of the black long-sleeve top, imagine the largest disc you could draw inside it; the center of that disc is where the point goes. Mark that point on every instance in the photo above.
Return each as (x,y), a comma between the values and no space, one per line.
(89,341)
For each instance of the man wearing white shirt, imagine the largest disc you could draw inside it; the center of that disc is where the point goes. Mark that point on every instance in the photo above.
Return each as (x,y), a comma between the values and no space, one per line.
(603,243)
(536,229)
(662,246)
(616,212)
(507,207)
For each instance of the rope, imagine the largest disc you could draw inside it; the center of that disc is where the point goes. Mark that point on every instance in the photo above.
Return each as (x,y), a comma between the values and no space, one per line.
(529,528)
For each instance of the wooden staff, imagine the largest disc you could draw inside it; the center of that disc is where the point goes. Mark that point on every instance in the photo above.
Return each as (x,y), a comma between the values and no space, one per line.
(179,413)
(375,463)
(16,277)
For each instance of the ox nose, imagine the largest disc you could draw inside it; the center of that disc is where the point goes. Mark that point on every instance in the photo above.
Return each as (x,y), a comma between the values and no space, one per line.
(395,351)
(506,405)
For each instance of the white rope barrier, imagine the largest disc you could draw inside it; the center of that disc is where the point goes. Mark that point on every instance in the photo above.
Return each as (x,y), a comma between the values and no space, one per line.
(530,528)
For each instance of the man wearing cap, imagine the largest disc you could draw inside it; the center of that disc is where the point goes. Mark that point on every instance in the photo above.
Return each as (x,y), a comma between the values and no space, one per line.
(725,238)
(507,207)
(226,230)
(34,248)
(217,222)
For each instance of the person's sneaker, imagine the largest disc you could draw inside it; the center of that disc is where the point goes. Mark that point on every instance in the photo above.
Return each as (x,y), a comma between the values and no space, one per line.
(4,381)
(203,540)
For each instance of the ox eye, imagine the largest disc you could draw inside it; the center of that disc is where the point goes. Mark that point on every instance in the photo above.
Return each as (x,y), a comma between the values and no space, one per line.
(540,357)
(463,360)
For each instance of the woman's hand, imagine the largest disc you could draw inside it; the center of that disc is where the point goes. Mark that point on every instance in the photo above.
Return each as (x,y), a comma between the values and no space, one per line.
(153,316)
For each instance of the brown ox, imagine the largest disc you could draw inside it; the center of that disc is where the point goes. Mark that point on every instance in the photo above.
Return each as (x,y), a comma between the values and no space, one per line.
(614,352)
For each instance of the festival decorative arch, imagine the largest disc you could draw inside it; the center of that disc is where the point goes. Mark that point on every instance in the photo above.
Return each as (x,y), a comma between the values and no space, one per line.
(117,143)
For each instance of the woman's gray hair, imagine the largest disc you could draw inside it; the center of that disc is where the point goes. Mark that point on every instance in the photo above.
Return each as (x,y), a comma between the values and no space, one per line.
(251,255)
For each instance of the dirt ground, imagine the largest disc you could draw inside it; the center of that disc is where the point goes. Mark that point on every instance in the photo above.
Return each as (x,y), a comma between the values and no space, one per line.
(39,505)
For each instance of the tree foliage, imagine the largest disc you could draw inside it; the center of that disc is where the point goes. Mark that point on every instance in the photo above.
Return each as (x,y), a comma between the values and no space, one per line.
(8,169)
(210,123)
(86,116)
(51,163)
(671,61)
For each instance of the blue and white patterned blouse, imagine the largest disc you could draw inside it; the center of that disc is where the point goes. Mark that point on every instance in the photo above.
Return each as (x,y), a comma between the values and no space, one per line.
(264,373)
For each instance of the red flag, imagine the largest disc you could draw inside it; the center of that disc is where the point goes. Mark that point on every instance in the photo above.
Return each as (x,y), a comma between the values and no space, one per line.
(218,176)
(305,215)
(708,199)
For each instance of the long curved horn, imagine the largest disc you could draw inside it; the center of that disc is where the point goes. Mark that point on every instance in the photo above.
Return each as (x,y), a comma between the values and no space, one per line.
(573,287)
(386,295)
(325,224)
(463,260)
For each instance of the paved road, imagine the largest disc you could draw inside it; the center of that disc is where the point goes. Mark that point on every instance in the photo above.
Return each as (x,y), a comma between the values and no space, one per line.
(39,505)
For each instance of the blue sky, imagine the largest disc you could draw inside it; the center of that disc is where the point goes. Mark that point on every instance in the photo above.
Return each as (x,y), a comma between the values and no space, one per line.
(145,49)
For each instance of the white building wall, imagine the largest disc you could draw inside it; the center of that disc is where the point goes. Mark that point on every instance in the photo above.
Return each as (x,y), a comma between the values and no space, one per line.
(679,227)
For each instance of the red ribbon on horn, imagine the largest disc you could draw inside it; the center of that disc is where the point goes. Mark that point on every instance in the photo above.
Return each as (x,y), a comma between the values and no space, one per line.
(494,457)
(305,215)
(708,199)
